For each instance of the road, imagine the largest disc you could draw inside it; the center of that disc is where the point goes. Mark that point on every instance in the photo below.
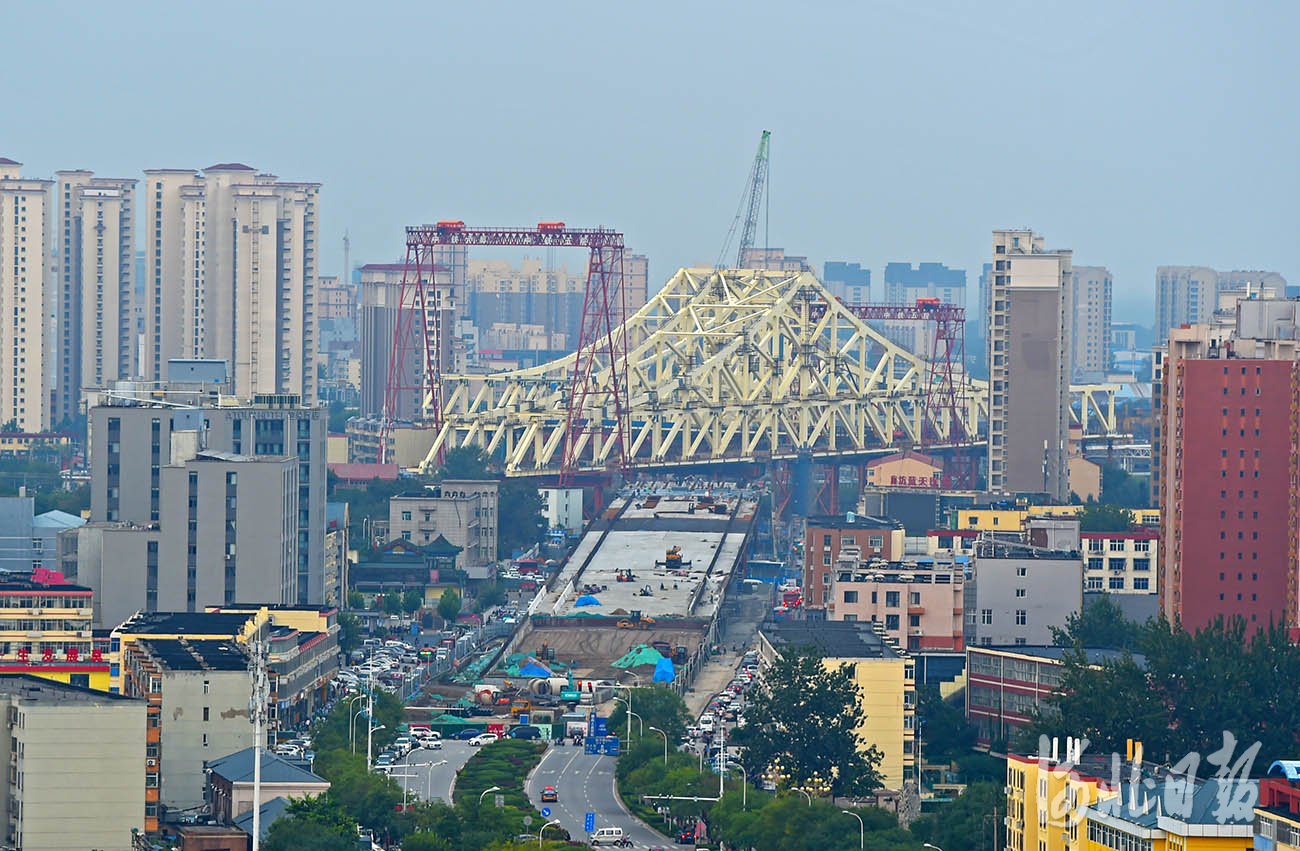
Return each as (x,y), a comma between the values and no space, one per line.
(585,783)
(433,780)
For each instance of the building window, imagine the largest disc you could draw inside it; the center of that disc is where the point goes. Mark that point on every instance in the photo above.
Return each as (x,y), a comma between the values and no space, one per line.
(1021,617)
(205,740)
(986,617)
(205,713)
(1118,563)
(1020,592)
(1117,545)
(1096,563)
(850,596)
(1142,564)
(1116,583)
(914,620)
(1141,583)
(1095,545)
(1094,583)
(406,515)
(891,599)
(1022,571)
(891,621)
(876,541)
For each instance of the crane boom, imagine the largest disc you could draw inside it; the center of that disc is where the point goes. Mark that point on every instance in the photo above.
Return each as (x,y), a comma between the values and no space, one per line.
(757,185)
(750,201)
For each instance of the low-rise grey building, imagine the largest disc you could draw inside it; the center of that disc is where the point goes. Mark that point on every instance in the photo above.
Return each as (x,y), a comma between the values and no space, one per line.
(464,511)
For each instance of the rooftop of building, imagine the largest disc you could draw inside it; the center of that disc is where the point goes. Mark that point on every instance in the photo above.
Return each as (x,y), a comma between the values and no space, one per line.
(7,161)
(39,581)
(272,607)
(238,768)
(271,810)
(1001,548)
(909,454)
(230,167)
(851,520)
(879,570)
(34,689)
(56,519)
(185,623)
(836,639)
(1052,653)
(182,654)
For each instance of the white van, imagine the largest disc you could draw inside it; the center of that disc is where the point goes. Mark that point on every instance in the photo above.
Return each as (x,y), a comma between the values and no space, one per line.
(607,836)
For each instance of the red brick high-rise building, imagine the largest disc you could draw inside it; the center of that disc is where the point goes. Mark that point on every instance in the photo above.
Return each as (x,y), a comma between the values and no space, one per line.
(1228,467)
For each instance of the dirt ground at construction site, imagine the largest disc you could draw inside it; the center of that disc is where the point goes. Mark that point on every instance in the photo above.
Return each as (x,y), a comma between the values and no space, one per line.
(592,650)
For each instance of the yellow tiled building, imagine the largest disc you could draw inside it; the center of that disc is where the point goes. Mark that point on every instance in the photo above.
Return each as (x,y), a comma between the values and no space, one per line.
(1077,805)
(884,675)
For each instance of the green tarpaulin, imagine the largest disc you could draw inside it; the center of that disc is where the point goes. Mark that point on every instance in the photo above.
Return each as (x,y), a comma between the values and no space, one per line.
(637,656)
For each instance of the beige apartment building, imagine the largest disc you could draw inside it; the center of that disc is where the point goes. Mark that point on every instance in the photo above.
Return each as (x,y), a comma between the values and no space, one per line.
(25,374)
(68,749)
(464,511)
(919,605)
(231,270)
(1029,345)
(1090,294)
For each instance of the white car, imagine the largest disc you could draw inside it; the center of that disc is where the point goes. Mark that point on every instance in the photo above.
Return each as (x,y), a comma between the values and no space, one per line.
(483,739)
(432,744)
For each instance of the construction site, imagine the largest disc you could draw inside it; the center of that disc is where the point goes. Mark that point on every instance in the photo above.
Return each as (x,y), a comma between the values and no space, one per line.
(649,575)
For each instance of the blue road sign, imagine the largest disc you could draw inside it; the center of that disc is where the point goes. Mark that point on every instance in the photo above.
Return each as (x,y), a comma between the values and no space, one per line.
(589,822)
(546,812)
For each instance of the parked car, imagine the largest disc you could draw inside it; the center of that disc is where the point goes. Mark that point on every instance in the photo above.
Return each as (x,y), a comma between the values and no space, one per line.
(468,733)
(525,732)
(483,739)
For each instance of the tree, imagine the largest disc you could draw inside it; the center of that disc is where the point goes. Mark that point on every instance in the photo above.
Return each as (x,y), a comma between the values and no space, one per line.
(805,717)
(339,416)
(315,821)
(1103,517)
(349,632)
(966,824)
(426,842)
(1100,624)
(449,605)
(521,523)
(945,732)
(1119,488)
(393,603)
(658,706)
(356,600)
(492,595)
(412,600)
(466,462)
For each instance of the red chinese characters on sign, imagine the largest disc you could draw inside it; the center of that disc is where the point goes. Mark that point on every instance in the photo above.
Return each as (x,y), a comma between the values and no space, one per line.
(47,655)
(73,654)
(23,654)
(97,655)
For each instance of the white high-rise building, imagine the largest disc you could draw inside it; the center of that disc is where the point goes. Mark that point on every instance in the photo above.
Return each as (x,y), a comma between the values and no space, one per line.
(107,285)
(1090,295)
(231,266)
(26,299)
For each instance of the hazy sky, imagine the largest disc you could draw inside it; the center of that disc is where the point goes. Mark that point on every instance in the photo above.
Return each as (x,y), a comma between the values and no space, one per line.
(1135,133)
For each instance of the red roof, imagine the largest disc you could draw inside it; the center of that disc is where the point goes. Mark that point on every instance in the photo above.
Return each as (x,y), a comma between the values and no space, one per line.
(364,472)
(230,167)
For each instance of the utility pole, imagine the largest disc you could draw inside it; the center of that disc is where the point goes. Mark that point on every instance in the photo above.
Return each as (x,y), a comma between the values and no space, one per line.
(257,713)
(347,268)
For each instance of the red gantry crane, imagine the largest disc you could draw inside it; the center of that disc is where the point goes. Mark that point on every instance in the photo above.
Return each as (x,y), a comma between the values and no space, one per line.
(600,344)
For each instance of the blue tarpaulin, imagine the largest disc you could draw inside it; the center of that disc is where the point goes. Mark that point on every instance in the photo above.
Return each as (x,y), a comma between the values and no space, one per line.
(587,600)
(664,671)
(532,668)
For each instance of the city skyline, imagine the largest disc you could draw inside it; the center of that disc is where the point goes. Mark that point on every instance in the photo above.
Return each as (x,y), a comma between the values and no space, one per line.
(894,158)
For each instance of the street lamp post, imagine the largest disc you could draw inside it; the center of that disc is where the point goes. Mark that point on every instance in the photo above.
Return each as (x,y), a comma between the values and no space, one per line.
(486,791)
(806,795)
(862,829)
(554,821)
(630,714)
(928,845)
(352,721)
(744,784)
(665,735)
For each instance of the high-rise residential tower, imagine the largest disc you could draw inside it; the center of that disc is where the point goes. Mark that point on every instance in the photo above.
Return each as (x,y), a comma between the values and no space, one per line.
(231,268)
(1226,461)
(1029,332)
(1090,294)
(27,297)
